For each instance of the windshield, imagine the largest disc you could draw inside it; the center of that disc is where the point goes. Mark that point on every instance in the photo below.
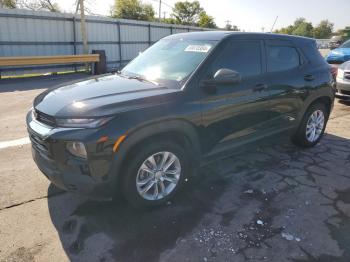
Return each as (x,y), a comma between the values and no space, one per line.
(346,44)
(169,61)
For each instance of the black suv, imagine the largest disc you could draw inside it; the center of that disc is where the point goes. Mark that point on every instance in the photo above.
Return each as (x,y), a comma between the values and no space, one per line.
(142,130)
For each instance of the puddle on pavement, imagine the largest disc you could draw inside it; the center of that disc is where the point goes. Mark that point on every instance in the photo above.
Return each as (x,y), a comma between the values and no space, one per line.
(260,227)
(341,231)
(144,235)
(227,217)
(344,195)
(341,234)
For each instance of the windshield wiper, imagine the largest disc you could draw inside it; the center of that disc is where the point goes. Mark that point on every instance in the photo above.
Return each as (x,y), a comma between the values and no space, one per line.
(137,77)
(142,79)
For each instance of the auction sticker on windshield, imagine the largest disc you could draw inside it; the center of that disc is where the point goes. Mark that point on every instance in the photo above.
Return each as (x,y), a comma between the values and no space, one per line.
(198,48)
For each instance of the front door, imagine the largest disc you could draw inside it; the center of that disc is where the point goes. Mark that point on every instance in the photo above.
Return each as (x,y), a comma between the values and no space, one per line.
(239,110)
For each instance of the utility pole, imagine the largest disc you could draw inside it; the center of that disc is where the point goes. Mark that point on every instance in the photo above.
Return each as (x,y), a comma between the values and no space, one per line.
(83,27)
(228,25)
(160,9)
(83,30)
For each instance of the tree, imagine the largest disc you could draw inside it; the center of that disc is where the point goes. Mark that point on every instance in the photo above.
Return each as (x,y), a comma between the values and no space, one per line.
(230,27)
(302,28)
(37,5)
(323,30)
(133,9)
(169,20)
(147,13)
(48,5)
(34,5)
(187,13)
(235,28)
(206,20)
(286,30)
(8,4)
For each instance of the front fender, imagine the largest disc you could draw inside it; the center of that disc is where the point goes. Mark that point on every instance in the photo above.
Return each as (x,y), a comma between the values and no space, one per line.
(139,134)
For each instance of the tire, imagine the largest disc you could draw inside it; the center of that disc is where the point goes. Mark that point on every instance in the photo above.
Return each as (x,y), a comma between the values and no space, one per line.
(133,173)
(303,137)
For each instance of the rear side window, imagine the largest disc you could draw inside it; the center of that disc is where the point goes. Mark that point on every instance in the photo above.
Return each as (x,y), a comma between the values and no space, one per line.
(281,58)
(241,56)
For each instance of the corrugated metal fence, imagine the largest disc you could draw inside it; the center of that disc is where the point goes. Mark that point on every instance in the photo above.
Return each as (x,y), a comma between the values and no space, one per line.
(29,33)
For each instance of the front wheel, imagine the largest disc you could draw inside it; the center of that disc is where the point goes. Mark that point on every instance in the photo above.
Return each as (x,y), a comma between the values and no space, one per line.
(312,126)
(156,171)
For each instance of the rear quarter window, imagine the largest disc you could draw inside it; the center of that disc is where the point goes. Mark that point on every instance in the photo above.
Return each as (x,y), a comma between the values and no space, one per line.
(281,58)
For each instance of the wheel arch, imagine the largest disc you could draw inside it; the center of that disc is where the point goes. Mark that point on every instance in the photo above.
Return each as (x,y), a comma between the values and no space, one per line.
(326,100)
(180,131)
(299,136)
(323,100)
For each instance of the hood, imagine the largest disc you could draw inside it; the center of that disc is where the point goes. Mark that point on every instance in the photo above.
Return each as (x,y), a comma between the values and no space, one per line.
(101,96)
(345,66)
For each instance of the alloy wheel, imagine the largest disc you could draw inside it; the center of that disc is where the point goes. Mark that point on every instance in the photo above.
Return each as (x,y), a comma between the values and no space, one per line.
(158,175)
(314,126)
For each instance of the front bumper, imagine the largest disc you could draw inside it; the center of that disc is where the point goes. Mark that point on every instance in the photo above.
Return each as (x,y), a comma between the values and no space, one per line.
(92,177)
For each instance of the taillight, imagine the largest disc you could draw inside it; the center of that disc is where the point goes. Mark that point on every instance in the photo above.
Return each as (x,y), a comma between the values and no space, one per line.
(334,71)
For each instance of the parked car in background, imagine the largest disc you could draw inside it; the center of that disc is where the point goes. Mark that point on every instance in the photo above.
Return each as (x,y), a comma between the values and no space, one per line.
(340,54)
(187,98)
(343,81)
(322,46)
(335,42)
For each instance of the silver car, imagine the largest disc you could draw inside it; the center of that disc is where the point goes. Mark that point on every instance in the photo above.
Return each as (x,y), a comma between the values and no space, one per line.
(343,81)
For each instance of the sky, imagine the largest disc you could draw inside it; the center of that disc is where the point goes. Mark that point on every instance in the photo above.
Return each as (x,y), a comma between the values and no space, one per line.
(248,15)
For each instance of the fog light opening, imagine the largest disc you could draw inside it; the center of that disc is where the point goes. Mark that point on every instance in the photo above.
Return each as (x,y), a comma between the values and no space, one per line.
(76,149)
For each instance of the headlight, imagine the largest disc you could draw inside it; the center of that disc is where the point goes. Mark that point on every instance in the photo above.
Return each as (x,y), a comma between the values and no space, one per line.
(340,74)
(82,122)
(76,149)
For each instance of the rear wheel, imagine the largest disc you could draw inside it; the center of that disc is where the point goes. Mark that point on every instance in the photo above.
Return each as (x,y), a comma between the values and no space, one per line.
(154,174)
(312,126)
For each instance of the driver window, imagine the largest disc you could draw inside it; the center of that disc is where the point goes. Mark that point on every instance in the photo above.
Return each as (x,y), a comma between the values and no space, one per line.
(242,56)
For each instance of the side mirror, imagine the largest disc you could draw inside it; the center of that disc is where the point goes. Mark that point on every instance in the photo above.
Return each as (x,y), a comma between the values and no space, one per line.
(227,76)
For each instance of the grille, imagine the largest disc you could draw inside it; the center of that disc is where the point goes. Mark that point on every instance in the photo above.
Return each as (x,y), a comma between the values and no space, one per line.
(347,75)
(45,119)
(40,145)
(345,92)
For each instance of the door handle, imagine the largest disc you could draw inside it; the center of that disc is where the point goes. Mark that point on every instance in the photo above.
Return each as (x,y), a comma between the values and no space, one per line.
(259,87)
(309,78)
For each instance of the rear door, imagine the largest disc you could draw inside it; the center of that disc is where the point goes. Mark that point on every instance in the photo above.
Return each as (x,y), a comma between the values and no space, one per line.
(286,80)
(237,110)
